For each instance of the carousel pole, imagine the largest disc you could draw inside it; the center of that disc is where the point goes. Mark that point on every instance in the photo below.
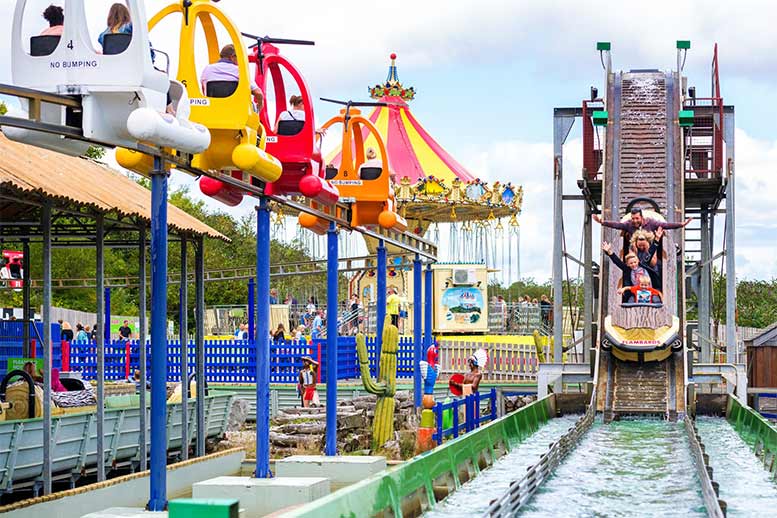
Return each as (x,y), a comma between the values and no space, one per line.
(331,341)
(263,340)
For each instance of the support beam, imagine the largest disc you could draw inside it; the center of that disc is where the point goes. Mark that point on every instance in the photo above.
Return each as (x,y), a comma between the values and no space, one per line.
(100,345)
(380,308)
(46,222)
(199,361)
(589,341)
(158,478)
(263,340)
(183,336)
(705,288)
(417,327)
(106,322)
(731,284)
(428,305)
(142,349)
(331,341)
(562,124)
(27,316)
(251,307)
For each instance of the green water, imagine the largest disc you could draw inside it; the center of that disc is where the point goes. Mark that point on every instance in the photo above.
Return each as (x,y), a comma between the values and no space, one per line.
(628,468)
(744,483)
(472,498)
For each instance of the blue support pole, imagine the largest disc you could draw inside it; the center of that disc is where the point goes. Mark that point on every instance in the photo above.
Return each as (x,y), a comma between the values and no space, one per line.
(381,299)
(158,493)
(331,340)
(417,328)
(263,340)
(251,307)
(428,307)
(107,324)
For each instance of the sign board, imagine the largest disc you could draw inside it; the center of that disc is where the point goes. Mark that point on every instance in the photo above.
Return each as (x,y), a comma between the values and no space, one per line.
(15,364)
(460,307)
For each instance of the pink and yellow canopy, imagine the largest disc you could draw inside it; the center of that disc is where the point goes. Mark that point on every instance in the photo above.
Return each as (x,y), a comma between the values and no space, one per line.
(433,186)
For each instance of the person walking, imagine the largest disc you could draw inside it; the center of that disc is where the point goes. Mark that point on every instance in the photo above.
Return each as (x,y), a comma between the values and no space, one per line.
(392,305)
(66,331)
(306,386)
(125,331)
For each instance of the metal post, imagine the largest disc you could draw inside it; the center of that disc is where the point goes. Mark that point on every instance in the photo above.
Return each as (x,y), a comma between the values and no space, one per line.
(588,287)
(26,287)
(331,341)
(380,309)
(183,334)
(417,336)
(106,322)
(428,274)
(704,287)
(46,337)
(731,282)
(251,306)
(142,348)
(158,479)
(100,345)
(199,359)
(263,340)
(561,127)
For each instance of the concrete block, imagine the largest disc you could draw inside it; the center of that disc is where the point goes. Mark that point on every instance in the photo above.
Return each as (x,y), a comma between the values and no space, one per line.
(261,496)
(126,512)
(341,470)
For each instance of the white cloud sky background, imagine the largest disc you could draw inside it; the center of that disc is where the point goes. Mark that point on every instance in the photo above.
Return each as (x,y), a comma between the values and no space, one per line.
(489,73)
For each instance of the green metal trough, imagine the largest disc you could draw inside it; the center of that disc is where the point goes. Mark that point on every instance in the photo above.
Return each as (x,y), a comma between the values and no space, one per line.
(417,485)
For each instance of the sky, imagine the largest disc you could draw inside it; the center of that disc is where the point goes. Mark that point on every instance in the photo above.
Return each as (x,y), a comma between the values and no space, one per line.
(488,75)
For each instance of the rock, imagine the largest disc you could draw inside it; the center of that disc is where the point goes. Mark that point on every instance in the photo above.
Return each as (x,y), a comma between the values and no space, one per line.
(352,421)
(317,427)
(283,418)
(403,395)
(391,450)
(237,415)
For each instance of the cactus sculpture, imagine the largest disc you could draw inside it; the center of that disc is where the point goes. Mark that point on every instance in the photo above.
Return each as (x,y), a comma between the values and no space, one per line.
(385,386)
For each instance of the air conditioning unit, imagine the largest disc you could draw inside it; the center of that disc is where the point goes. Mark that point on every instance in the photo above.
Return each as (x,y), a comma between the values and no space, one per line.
(464,278)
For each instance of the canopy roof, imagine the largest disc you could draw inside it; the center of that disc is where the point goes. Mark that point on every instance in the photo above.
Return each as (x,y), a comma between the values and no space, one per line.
(28,172)
(431,185)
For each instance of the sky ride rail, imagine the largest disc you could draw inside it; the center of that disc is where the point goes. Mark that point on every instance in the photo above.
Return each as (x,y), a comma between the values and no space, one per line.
(314,267)
(338,214)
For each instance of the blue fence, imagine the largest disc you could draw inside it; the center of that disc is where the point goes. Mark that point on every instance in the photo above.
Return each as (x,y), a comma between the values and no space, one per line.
(226,361)
(473,419)
(11,345)
(234,361)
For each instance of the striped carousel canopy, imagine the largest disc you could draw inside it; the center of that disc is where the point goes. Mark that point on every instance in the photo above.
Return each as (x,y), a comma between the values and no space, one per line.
(412,151)
(431,186)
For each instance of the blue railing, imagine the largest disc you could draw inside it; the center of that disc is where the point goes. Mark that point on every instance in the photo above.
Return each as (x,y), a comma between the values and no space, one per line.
(234,361)
(473,418)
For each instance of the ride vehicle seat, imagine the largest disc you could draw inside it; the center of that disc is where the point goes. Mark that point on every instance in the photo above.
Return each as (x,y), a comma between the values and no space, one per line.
(290,127)
(116,43)
(371,170)
(43,45)
(220,89)
(331,172)
(72,384)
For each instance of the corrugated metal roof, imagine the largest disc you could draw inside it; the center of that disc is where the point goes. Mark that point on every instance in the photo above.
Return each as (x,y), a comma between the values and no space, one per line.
(86,183)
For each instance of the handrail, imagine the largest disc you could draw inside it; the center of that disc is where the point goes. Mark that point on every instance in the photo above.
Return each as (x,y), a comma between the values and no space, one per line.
(30,389)
(716,508)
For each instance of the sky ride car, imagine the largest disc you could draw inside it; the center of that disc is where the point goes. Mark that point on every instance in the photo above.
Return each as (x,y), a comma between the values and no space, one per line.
(363,183)
(226,108)
(123,95)
(293,142)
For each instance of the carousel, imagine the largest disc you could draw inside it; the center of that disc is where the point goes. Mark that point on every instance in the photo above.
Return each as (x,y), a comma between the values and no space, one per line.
(471,220)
